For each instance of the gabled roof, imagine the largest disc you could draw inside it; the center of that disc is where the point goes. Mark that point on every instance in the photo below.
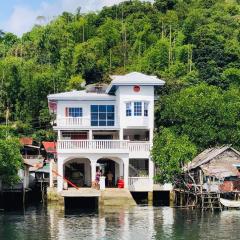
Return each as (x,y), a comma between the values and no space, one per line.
(49,147)
(80,95)
(207,155)
(211,165)
(133,78)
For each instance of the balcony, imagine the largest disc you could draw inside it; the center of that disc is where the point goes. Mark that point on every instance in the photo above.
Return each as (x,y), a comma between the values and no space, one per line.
(73,122)
(140,184)
(135,149)
(77,123)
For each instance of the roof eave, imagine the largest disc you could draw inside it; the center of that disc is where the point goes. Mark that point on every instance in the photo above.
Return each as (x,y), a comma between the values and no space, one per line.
(116,85)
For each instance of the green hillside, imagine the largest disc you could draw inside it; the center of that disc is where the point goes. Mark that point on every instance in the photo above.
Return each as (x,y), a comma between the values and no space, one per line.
(192,44)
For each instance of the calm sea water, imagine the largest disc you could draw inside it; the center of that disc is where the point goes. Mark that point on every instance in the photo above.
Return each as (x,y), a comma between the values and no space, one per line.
(141,222)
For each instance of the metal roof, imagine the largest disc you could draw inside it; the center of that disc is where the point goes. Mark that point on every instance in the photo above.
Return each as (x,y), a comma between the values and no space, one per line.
(80,95)
(133,78)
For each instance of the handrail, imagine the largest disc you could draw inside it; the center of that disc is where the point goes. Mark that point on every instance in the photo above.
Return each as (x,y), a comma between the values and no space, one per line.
(65,179)
(104,144)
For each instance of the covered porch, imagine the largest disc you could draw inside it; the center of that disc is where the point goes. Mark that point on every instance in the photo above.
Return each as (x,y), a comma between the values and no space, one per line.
(81,169)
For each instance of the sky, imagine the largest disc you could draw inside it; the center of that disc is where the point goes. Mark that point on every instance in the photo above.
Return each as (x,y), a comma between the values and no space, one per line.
(19,16)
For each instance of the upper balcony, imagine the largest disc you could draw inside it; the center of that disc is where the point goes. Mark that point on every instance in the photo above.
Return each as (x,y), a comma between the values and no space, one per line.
(138,149)
(70,122)
(79,123)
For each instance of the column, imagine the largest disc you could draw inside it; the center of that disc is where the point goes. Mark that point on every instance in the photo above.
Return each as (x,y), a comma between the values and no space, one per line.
(126,168)
(51,173)
(121,134)
(90,134)
(60,176)
(121,164)
(151,173)
(93,170)
(59,135)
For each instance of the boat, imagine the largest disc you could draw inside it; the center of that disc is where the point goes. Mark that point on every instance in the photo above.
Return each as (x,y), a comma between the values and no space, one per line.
(230,203)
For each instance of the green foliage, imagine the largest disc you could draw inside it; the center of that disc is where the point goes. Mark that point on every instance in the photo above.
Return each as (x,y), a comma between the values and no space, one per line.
(75,83)
(184,42)
(207,114)
(10,160)
(192,44)
(170,152)
(43,135)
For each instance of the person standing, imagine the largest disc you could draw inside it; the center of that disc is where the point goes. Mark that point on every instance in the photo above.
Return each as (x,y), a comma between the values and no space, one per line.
(110,179)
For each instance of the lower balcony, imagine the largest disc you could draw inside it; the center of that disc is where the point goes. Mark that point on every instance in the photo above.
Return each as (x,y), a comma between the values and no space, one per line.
(135,149)
(140,184)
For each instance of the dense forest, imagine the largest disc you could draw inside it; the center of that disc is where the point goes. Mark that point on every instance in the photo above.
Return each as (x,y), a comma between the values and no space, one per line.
(192,44)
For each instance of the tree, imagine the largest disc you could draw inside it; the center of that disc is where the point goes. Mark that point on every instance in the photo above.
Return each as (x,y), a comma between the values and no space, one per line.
(208,115)
(10,161)
(170,152)
(75,83)
(164,5)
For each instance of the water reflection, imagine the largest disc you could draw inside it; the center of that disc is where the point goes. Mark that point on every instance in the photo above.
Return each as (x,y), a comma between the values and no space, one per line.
(141,222)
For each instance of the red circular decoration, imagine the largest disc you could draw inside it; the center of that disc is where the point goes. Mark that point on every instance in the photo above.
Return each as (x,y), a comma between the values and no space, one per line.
(136,88)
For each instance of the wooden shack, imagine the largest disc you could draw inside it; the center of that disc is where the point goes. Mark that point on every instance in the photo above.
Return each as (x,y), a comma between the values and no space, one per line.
(215,169)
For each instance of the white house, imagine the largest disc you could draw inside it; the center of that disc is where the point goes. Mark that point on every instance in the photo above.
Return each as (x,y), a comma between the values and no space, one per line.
(107,127)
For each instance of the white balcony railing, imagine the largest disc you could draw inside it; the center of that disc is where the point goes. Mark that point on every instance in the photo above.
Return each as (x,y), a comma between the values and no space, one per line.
(73,122)
(130,147)
(92,144)
(139,146)
(140,183)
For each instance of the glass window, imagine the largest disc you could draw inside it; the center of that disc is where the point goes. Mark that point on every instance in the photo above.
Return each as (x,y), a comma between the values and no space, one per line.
(128,109)
(94,108)
(102,115)
(145,109)
(75,112)
(137,108)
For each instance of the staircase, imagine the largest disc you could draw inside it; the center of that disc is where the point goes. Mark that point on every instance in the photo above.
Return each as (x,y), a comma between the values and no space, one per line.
(211,201)
(116,197)
(132,170)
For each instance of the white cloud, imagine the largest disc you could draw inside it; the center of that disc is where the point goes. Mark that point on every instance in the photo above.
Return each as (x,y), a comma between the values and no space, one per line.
(23,18)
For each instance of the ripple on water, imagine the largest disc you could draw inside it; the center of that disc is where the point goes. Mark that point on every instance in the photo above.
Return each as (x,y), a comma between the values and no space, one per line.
(138,223)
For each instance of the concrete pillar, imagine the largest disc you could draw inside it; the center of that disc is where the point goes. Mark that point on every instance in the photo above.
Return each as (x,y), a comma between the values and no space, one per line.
(121,134)
(51,173)
(59,135)
(126,174)
(121,169)
(60,178)
(172,198)
(151,173)
(150,198)
(90,136)
(93,170)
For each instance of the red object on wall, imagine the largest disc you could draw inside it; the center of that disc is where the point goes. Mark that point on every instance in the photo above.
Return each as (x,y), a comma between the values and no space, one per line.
(136,88)
(229,186)
(52,106)
(120,183)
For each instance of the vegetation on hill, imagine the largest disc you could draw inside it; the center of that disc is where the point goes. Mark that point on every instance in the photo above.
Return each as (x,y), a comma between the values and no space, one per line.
(192,44)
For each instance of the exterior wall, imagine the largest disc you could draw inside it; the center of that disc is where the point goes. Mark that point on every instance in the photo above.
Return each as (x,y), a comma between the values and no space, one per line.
(86,107)
(126,94)
(123,94)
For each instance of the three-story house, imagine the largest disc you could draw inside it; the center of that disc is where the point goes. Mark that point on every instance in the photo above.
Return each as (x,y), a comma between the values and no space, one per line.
(107,127)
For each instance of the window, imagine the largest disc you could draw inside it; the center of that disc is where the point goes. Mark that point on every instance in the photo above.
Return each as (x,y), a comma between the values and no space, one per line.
(137,108)
(145,109)
(128,109)
(74,112)
(102,115)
